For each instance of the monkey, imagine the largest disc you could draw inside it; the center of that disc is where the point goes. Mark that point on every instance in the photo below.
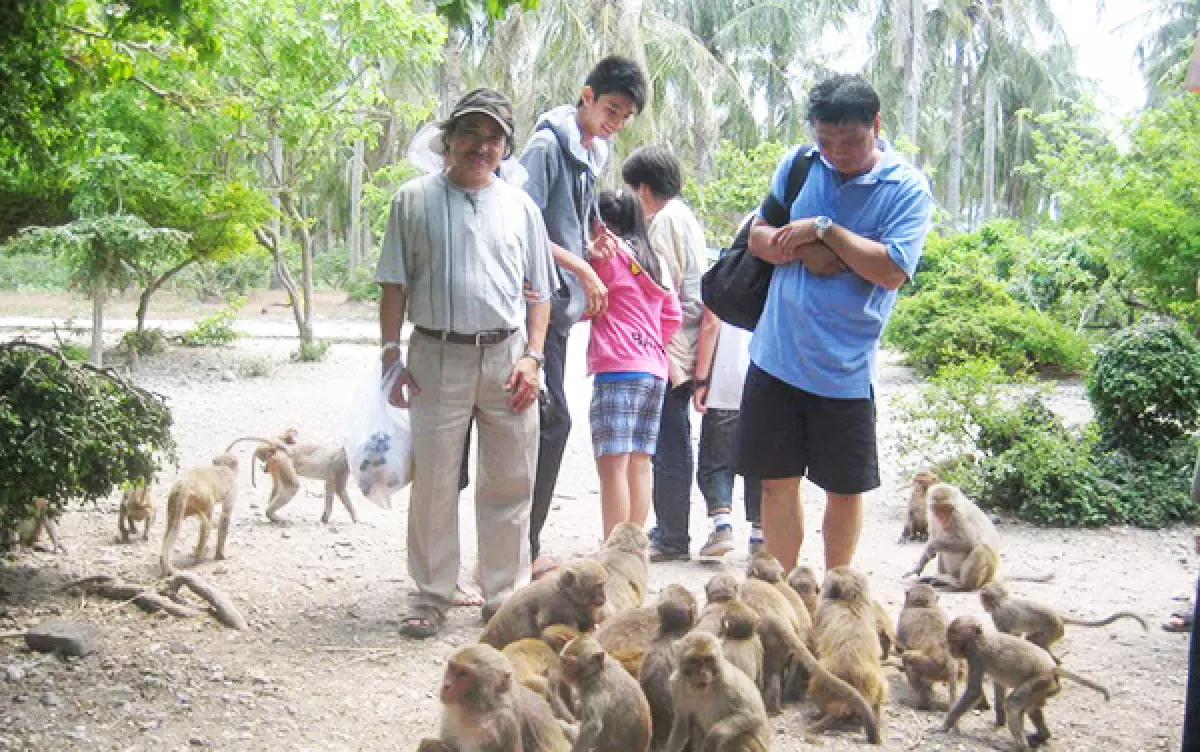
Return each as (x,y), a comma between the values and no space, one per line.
(963,539)
(195,493)
(1041,625)
(804,581)
(614,714)
(883,629)
(536,664)
(740,641)
(27,533)
(624,558)
(717,707)
(720,590)
(763,566)
(916,526)
(1014,664)
(572,596)
(921,645)
(484,709)
(135,507)
(287,461)
(676,611)
(848,646)
(558,635)
(626,635)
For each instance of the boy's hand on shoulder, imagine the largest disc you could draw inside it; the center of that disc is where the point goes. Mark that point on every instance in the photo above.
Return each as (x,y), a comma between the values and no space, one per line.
(604,245)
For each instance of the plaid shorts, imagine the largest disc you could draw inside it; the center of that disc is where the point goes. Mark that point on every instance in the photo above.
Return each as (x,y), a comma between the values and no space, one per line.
(625,415)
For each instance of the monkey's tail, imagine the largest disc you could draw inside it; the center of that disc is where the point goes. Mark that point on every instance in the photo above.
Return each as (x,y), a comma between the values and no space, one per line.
(1109,620)
(1084,681)
(268,442)
(850,695)
(1031,577)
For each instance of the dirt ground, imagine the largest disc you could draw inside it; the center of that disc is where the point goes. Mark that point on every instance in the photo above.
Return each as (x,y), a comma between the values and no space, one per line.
(323,666)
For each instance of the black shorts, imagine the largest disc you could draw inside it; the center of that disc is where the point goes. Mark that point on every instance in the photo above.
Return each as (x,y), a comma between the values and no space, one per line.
(786,432)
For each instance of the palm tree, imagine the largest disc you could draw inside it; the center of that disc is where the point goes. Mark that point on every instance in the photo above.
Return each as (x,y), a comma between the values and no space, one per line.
(1164,53)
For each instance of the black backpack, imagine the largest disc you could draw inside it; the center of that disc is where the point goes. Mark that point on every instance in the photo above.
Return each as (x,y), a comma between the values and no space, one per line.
(735,288)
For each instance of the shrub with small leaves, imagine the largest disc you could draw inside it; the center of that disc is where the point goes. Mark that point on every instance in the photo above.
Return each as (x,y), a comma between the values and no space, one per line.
(71,431)
(1145,387)
(254,368)
(147,342)
(311,352)
(217,329)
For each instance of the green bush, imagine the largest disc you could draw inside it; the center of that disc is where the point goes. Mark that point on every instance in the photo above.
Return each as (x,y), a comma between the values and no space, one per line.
(331,268)
(217,329)
(150,342)
(311,352)
(216,280)
(361,287)
(33,273)
(1145,387)
(254,368)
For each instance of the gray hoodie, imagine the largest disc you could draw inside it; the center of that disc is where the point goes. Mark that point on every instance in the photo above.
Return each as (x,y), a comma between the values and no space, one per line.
(562,182)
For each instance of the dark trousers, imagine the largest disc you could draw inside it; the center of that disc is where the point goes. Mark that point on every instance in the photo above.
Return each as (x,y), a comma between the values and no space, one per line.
(554,435)
(714,466)
(1191,708)
(674,467)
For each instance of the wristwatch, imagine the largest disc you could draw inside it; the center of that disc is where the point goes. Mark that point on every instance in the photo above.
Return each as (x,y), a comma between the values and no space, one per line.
(537,355)
(821,225)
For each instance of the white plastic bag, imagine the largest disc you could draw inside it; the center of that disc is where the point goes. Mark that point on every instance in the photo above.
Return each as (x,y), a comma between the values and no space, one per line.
(379,439)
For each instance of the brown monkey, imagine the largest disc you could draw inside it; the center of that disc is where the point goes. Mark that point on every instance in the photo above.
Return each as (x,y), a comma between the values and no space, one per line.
(676,616)
(28,532)
(848,646)
(1041,625)
(570,596)
(624,559)
(921,644)
(536,665)
(719,591)
(804,581)
(883,629)
(1014,664)
(628,633)
(963,539)
(196,493)
(558,635)
(765,567)
(613,713)
(135,507)
(717,707)
(916,526)
(287,461)
(484,709)
(740,641)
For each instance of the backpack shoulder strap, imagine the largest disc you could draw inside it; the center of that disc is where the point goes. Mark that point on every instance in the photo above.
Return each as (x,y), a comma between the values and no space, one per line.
(779,214)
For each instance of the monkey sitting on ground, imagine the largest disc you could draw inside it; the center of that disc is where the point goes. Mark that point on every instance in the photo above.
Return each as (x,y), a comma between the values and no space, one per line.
(921,645)
(848,646)
(676,616)
(196,493)
(624,558)
(27,533)
(720,590)
(626,635)
(916,525)
(763,566)
(572,596)
(287,461)
(1014,664)
(536,665)
(963,539)
(613,713)
(483,708)
(717,707)
(740,641)
(135,507)
(804,581)
(1041,625)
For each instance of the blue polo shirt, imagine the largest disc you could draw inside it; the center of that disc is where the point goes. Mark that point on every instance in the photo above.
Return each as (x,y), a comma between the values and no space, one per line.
(820,334)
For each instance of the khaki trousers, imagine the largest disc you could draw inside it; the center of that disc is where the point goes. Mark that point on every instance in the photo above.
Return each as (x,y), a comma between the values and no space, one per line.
(456,383)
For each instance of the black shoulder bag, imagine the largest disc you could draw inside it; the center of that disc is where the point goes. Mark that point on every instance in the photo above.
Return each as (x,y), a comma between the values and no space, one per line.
(735,288)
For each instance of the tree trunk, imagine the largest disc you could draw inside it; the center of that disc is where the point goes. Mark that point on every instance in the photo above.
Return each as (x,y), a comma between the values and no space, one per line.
(274,170)
(913,69)
(354,235)
(301,304)
(989,148)
(99,294)
(154,286)
(954,173)
(452,85)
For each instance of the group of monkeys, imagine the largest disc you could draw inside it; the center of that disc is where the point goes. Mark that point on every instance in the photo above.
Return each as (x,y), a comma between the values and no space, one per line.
(576,661)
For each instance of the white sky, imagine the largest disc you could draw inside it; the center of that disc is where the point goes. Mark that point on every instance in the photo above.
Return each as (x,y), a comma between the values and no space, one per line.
(1105,52)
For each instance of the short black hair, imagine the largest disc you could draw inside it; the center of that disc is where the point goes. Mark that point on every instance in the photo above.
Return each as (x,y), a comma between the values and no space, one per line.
(656,168)
(619,75)
(843,98)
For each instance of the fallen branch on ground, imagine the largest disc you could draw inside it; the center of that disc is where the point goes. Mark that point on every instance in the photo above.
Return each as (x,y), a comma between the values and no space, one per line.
(142,596)
(221,604)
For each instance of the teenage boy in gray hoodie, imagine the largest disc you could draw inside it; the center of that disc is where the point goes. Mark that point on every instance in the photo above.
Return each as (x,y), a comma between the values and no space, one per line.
(567,151)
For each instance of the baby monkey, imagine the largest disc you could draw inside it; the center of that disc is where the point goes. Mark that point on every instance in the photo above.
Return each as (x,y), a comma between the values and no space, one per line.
(1041,625)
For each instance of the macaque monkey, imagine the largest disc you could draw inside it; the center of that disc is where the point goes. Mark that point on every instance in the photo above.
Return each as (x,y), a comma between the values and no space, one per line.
(484,709)
(286,461)
(963,539)
(572,596)
(28,532)
(717,707)
(624,558)
(613,713)
(720,590)
(536,665)
(804,581)
(1014,664)
(765,567)
(676,616)
(883,629)
(922,647)
(916,525)
(740,641)
(848,646)
(196,493)
(135,507)
(1041,625)
(629,632)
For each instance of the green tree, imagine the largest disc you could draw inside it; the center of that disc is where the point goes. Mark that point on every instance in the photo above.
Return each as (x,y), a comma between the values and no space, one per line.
(1164,53)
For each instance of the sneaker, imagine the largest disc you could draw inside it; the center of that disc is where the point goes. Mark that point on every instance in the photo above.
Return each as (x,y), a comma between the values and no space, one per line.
(720,542)
(756,547)
(659,553)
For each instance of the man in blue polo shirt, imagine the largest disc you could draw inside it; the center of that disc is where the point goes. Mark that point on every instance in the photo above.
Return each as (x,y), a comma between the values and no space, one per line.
(855,234)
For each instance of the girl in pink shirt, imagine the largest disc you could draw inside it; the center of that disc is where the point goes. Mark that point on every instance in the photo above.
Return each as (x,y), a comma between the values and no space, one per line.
(627,354)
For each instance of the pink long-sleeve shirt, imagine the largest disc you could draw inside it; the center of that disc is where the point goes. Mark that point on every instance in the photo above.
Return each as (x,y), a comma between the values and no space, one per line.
(631,335)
